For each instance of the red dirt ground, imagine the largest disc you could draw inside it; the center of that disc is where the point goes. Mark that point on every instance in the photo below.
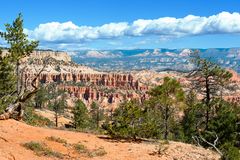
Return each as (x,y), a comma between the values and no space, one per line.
(13,134)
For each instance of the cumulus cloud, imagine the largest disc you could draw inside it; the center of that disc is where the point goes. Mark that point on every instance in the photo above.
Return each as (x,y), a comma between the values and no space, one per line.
(68,32)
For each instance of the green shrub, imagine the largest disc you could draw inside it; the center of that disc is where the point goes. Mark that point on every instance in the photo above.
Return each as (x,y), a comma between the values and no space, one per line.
(230,152)
(125,121)
(40,150)
(31,118)
(80,148)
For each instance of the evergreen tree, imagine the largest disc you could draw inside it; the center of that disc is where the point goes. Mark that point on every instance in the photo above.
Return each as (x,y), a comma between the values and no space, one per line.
(7,82)
(126,121)
(20,46)
(166,98)
(57,101)
(97,114)
(151,122)
(192,116)
(41,97)
(208,79)
(11,97)
(224,124)
(80,115)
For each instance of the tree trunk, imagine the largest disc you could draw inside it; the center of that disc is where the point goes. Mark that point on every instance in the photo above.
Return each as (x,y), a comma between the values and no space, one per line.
(18,78)
(56,119)
(208,98)
(97,119)
(166,117)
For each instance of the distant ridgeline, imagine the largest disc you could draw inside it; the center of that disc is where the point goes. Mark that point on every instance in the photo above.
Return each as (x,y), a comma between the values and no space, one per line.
(155,59)
(39,54)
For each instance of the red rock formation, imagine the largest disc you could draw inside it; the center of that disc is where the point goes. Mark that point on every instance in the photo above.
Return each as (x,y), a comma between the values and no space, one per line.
(123,81)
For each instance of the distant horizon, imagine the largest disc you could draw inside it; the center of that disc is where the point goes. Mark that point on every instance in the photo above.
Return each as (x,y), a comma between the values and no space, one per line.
(123,24)
(55,50)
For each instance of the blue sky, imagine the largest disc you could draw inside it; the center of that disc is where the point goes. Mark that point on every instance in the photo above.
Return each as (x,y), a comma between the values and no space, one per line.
(127,24)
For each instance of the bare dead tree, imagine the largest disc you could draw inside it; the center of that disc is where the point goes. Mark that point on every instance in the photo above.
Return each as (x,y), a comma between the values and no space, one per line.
(200,138)
(212,144)
(196,140)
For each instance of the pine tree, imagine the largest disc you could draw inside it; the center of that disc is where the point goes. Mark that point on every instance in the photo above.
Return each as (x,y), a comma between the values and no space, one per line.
(166,97)
(20,46)
(192,116)
(57,101)
(126,121)
(41,97)
(208,79)
(7,82)
(97,114)
(80,115)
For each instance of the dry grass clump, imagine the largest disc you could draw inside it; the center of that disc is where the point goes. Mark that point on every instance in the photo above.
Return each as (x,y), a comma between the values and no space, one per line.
(57,139)
(40,149)
(80,148)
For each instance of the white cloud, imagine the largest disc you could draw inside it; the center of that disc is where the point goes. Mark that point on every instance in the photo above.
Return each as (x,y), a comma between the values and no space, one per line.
(223,22)
(69,32)
(164,27)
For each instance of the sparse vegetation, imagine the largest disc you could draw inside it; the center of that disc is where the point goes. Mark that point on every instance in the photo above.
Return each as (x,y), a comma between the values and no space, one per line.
(207,120)
(97,152)
(40,149)
(82,149)
(31,118)
(161,147)
(57,139)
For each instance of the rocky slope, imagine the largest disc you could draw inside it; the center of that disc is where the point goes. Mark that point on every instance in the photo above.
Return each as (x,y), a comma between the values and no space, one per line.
(14,134)
(82,82)
(108,88)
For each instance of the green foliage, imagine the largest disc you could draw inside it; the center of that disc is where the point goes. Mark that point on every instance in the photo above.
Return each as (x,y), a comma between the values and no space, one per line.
(224,123)
(20,46)
(41,97)
(209,80)
(230,152)
(167,98)
(80,148)
(58,105)
(31,118)
(96,114)
(126,122)
(57,101)
(148,120)
(80,115)
(41,150)
(7,82)
(192,116)
(151,123)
